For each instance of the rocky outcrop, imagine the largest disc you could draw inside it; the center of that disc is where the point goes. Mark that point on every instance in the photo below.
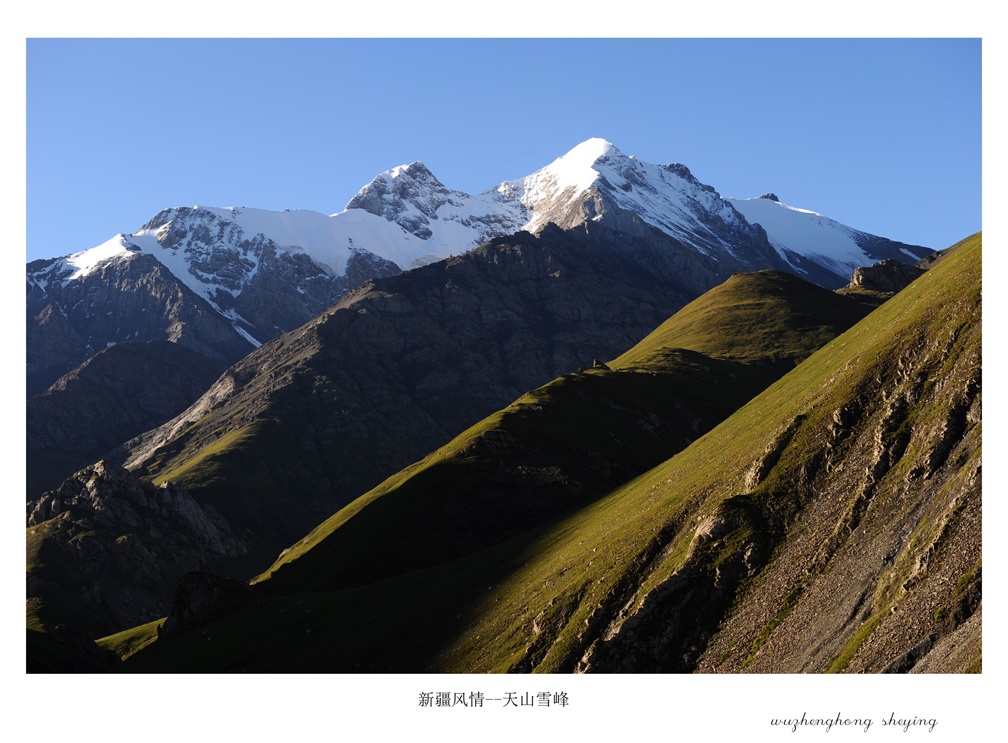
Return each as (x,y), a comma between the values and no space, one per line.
(112,547)
(264,288)
(666,630)
(881,571)
(53,344)
(888,276)
(411,198)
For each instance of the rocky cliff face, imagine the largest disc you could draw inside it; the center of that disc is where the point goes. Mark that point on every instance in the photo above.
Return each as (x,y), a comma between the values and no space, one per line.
(263,287)
(131,298)
(886,276)
(414,199)
(105,550)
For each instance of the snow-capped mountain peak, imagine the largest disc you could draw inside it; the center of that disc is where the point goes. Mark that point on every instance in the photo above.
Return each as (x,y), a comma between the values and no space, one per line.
(579,170)
(568,191)
(389,192)
(86,261)
(411,197)
(405,217)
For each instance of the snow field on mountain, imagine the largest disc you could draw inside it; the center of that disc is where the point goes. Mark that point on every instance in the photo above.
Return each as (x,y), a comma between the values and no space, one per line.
(87,261)
(806,233)
(405,215)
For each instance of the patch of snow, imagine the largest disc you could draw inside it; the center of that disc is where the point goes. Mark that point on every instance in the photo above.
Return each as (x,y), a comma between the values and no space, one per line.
(806,233)
(86,261)
(246,336)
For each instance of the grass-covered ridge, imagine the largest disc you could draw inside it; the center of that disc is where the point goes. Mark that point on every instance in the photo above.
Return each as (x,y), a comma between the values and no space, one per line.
(561,446)
(671,527)
(762,317)
(131,641)
(811,530)
(495,510)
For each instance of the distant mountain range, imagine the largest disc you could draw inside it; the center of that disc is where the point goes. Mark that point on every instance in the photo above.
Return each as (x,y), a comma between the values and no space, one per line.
(264,273)
(220,282)
(246,374)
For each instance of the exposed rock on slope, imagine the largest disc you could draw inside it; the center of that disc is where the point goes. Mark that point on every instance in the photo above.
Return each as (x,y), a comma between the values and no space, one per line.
(237,260)
(132,298)
(886,276)
(859,549)
(105,550)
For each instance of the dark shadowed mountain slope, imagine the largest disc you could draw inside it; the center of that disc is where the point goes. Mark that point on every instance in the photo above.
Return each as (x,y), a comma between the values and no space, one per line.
(563,445)
(132,298)
(313,419)
(832,523)
(104,550)
(116,394)
(307,422)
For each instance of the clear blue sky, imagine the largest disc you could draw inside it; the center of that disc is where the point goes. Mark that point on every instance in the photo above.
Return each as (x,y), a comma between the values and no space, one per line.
(881,134)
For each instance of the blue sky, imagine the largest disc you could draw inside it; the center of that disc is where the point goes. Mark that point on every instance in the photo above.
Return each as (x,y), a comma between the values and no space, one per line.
(881,134)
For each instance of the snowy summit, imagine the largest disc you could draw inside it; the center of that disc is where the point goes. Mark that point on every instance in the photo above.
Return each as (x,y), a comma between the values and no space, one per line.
(406,217)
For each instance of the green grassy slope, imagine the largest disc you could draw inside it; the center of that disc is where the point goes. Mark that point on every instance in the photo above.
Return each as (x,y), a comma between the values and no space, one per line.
(126,643)
(763,317)
(485,493)
(575,439)
(314,418)
(830,524)
(842,503)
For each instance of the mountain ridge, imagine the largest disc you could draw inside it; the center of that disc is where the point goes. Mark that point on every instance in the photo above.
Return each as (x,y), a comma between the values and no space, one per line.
(405,217)
(830,524)
(269,482)
(343,369)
